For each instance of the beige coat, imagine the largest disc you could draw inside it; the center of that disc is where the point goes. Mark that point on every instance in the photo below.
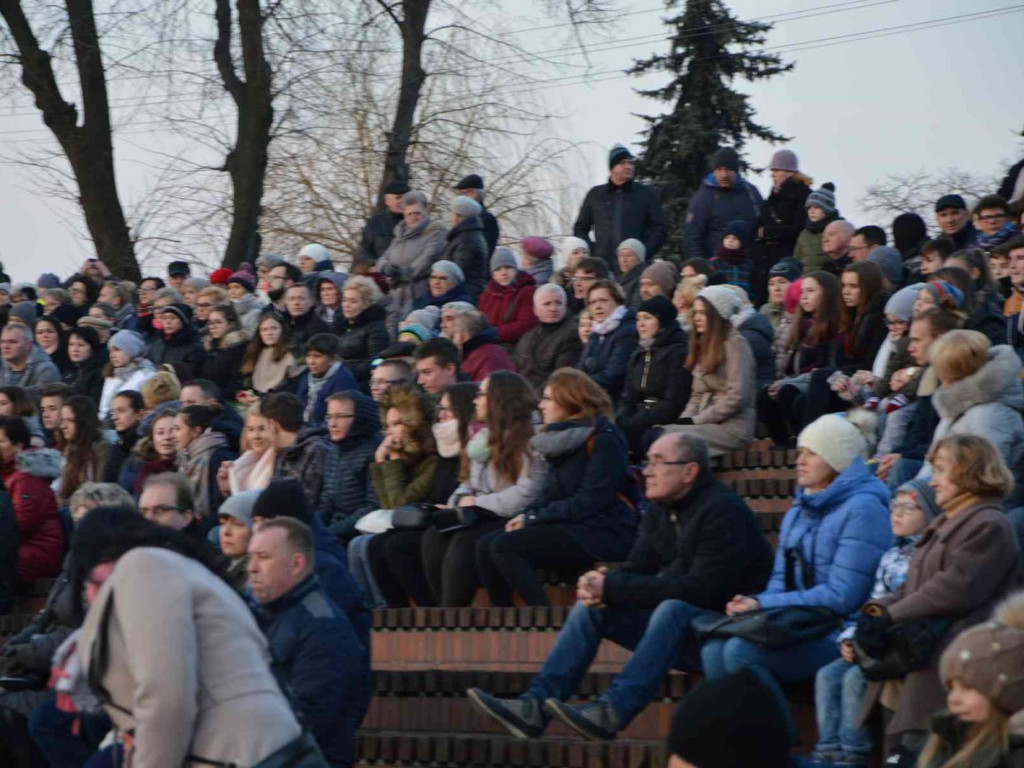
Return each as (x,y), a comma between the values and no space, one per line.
(188,666)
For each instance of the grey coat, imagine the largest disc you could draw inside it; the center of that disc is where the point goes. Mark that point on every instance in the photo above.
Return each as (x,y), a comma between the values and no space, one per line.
(503,498)
(409,258)
(39,370)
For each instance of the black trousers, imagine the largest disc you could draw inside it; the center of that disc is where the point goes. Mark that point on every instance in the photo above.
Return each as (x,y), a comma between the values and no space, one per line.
(396,563)
(449,562)
(782,415)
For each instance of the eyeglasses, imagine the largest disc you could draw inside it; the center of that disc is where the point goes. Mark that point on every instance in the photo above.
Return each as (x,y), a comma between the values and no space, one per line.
(204,304)
(902,510)
(992,217)
(340,416)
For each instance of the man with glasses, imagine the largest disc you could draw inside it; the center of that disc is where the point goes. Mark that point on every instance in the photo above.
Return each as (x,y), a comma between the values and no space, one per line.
(280,278)
(699,546)
(993,222)
(389,373)
(167,500)
(588,271)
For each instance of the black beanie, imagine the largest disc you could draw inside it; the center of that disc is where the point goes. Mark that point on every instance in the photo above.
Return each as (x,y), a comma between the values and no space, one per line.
(726,157)
(283,497)
(183,311)
(661,308)
(730,722)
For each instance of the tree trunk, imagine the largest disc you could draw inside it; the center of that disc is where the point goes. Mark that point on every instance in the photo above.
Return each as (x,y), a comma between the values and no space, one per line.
(88,148)
(246,163)
(413,26)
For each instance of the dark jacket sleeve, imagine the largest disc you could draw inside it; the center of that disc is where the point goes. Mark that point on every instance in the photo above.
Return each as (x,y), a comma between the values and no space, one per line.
(585,220)
(657,228)
(377,340)
(698,213)
(612,376)
(677,394)
(921,430)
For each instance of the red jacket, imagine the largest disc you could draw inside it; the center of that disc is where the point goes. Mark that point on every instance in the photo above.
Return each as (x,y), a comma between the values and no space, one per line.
(482,356)
(509,308)
(27,478)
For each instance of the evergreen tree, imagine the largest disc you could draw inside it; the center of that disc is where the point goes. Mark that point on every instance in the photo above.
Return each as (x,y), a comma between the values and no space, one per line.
(710,48)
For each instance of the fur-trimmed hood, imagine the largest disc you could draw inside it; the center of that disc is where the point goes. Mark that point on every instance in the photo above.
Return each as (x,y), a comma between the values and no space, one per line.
(231,339)
(42,462)
(998,381)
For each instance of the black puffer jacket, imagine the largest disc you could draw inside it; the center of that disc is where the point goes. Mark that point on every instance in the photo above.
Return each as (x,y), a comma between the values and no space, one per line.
(183,350)
(222,363)
(356,494)
(88,379)
(301,330)
(757,330)
(467,247)
(545,348)
(361,339)
(781,219)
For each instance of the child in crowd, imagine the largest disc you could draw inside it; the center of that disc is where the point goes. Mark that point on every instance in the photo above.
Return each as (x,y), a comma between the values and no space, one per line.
(731,259)
(782,275)
(839,687)
(821,211)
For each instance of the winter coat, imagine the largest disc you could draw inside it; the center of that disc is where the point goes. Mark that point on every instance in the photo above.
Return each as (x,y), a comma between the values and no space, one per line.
(605,357)
(702,549)
(482,356)
(582,492)
(9,544)
(378,233)
(301,329)
(491,230)
(313,459)
(199,462)
(38,370)
(183,349)
(808,250)
(127,379)
(842,531)
(400,481)
(493,493)
(135,473)
(466,246)
(222,362)
(118,453)
(963,566)
(458,293)
(357,495)
(509,308)
(249,310)
(88,379)
(988,319)
(781,220)
(407,262)
(341,381)
(710,211)
(629,282)
(616,212)
(27,478)
(657,386)
(757,329)
(320,658)
(856,348)
(192,678)
(361,340)
(337,581)
(545,348)
(955,734)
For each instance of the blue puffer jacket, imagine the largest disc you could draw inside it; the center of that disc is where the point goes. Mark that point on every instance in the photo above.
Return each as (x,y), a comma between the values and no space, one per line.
(846,526)
(605,359)
(710,211)
(341,381)
(355,493)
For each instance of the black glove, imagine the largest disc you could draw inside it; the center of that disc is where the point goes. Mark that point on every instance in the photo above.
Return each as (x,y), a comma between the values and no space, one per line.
(392,271)
(18,659)
(685,420)
(872,625)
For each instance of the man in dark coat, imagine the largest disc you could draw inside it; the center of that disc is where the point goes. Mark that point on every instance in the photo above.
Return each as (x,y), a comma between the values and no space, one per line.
(315,648)
(551,344)
(723,197)
(472,186)
(954,220)
(699,545)
(620,209)
(380,228)
(301,319)
(466,247)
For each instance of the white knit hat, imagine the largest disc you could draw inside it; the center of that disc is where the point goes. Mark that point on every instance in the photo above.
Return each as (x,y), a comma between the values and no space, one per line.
(835,440)
(723,298)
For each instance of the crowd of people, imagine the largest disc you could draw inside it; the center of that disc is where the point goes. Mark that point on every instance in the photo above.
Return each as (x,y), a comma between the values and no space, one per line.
(269,453)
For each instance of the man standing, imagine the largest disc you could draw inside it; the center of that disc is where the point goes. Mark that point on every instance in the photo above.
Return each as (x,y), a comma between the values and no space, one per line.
(280,278)
(326,668)
(954,221)
(620,209)
(723,197)
(699,545)
(380,228)
(472,186)
(24,364)
(177,273)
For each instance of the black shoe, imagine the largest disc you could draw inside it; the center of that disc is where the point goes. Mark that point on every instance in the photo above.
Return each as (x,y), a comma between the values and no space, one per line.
(523,718)
(596,721)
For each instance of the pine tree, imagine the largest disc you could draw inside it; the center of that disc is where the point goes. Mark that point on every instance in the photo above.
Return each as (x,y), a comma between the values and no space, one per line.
(710,49)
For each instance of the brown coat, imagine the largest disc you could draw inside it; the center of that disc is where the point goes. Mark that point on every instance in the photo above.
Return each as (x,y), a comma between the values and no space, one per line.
(962,567)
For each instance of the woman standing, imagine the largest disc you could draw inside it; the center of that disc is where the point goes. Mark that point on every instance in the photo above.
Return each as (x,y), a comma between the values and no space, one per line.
(82,445)
(201,451)
(179,343)
(127,370)
(88,357)
(225,346)
(783,214)
(268,364)
(362,334)
(612,338)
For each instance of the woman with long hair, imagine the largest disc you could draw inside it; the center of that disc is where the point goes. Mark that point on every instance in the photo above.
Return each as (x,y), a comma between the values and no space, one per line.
(254,469)
(201,451)
(984,313)
(721,408)
(82,445)
(226,344)
(88,357)
(268,364)
(155,453)
(49,335)
(582,514)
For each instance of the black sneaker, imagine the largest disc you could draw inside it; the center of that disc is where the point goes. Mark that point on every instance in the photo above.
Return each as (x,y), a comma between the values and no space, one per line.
(523,718)
(596,721)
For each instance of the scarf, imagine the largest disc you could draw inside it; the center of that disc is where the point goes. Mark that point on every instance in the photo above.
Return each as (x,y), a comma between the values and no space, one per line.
(446,435)
(266,374)
(610,323)
(552,444)
(135,365)
(730,255)
(478,450)
(252,471)
(194,463)
(817,227)
(315,385)
(646,343)
(988,242)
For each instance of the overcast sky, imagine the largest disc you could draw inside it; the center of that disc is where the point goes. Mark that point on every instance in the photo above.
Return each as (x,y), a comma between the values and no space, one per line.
(927,99)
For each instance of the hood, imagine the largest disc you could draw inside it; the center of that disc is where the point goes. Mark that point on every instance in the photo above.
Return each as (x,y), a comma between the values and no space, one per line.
(855,480)
(43,462)
(367,421)
(231,339)
(306,438)
(472,224)
(758,323)
(709,181)
(998,381)
(523,280)
(246,304)
(671,334)
(186,335)
(37,356)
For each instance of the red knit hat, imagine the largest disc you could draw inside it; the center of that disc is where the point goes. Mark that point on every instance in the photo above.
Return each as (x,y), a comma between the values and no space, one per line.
(220,276)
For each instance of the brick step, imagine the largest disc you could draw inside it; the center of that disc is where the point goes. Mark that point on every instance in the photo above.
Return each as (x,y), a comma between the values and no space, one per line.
(757,456)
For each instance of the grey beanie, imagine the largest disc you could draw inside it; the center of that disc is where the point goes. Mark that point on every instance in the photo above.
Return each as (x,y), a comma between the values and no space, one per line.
(240,506)
(25,311)
(5,288)
(725,300)
(923,494)
(503,257)
(785,160)
(824,198)
(634,245)
(48,280)
(428,317)
(901,303)
(449,269)
(458,306)
(129,342)
(466,207)
(890,262)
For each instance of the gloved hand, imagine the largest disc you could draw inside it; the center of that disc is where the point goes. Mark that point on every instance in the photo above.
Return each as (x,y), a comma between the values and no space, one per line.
(392,271)
(17,659)
(872,625)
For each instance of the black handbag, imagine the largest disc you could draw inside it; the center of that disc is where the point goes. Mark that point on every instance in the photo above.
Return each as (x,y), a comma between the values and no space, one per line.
(770,628)
(451,519)
(300,752)
(412,517)
(910,647)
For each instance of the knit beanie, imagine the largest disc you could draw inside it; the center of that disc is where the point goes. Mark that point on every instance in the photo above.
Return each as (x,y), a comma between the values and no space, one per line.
(179,269)
(94,324)
(730,722)
(222,275)
(661,308)
(314,251)
(940,288)
(617,154)
(738,229)
(901,303)
(48,280)
(183,312)
(923,495)
(449,269)
(824,198)
(793,295)
(417,331)
(784,160)
(503,257)
(987,657)
(26,311)
(240,506)
(571,244)
(722,298)
(726,157)
(537,247)
(634,245)
(129,342)
(244,279)
(466,207)
(832,437)
(428,317)
(284,496)
(890,261)
(664,275)
(789,268)
(5,288)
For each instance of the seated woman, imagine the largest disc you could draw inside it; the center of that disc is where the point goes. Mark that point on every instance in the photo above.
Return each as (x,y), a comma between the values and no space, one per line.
(353,425)
(582,515)
(82,445)
(721,408)
(983,314)
(831,542)
(552,343)
(447,283)
(225,345)
(508,299)
(967,560)
(254,469)
(14,401)
(201,451)
(268,364)
(684,296)
(156,451)
(505,477)
(88,357)
(49,335)
(178,343)
(362,333)
(27,475)
(612,337)
(657,381)
(128,368)
(328,294)
(126,416)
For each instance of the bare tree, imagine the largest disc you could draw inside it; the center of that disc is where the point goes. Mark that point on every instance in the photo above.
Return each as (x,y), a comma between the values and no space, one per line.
(917,191)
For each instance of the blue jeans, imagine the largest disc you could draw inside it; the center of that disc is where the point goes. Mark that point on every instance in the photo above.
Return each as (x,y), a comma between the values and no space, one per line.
(359,565)
(800,662)
(838,696)
(659,638)
(52,731)
(902,471)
